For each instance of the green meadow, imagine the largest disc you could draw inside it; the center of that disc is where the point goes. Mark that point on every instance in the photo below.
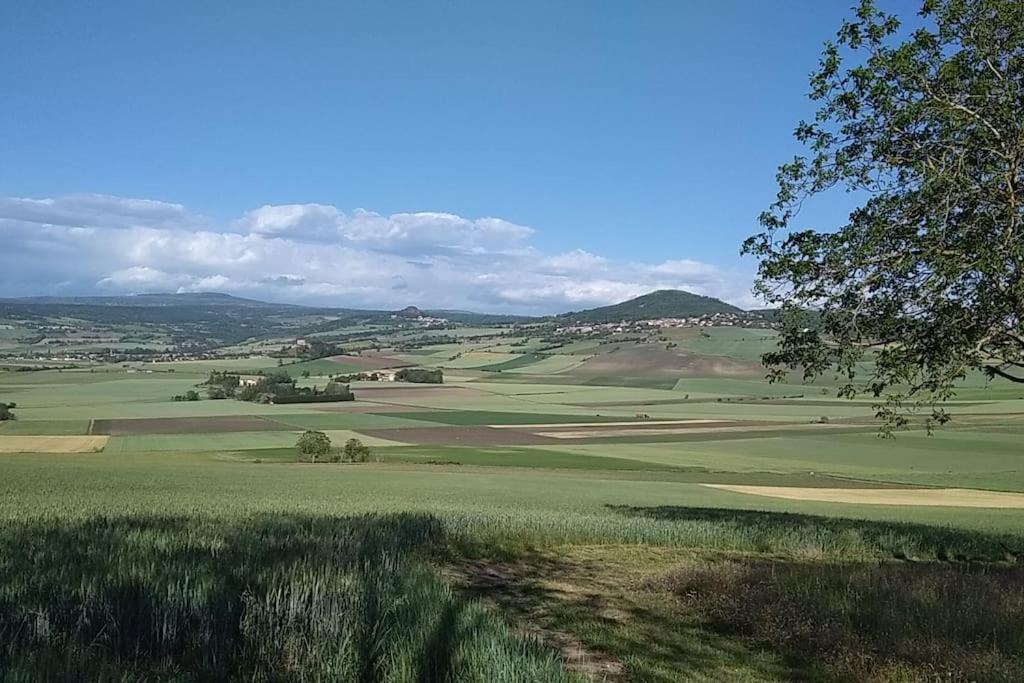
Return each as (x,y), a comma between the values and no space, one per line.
(551,528)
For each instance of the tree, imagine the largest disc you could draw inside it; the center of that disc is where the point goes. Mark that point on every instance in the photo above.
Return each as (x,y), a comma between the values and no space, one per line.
(191,395)
(313,444)
(925,281)
(356,451)
(419,375)
(338,389)
(6,412)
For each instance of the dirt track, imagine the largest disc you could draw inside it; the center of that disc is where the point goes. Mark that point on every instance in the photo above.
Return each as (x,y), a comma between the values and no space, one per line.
(969,498)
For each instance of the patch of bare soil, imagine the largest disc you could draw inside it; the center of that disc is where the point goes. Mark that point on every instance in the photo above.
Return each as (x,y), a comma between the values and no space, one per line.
(187,425)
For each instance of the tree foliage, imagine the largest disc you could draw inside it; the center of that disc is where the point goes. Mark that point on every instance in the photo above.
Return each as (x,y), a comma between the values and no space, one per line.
(314,444)
(925,281)
(356,451)
(420,375)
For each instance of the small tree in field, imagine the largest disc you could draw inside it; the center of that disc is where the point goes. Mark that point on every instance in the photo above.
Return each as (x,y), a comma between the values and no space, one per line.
(356,451)
(314,444)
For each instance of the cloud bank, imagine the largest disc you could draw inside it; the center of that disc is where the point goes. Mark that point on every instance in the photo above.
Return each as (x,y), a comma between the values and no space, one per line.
(317,254)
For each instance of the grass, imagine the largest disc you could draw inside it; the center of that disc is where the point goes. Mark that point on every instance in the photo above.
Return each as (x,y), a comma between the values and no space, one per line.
(604,596)
(522,361)
(219,556)
(868,621)
(321,367)
(271,598)
(975,457)
(512,457)
(198,567)
(733,342)
(42,427)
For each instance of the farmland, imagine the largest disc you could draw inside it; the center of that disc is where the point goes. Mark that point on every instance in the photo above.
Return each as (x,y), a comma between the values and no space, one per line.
(542,515)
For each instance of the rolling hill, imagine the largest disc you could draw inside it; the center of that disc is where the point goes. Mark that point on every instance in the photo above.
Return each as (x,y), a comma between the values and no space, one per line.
(664,303)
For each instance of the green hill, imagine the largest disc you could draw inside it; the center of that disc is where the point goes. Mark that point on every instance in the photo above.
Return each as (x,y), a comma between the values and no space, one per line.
(664,303)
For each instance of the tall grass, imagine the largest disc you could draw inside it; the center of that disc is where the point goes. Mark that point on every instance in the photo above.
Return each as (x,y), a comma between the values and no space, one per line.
(271,598)
(750,531)
(870,621)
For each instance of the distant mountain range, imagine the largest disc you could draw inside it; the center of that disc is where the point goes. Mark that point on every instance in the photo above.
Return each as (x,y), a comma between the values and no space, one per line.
(665,303)
(166,299)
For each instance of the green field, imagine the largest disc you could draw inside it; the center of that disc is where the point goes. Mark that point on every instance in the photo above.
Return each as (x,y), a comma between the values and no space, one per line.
(566,508)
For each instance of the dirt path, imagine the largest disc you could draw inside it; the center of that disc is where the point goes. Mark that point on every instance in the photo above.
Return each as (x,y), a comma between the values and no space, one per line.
(969,498)
(525,589)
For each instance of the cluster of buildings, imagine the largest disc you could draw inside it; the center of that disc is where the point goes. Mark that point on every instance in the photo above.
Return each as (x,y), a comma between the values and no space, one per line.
(743,319)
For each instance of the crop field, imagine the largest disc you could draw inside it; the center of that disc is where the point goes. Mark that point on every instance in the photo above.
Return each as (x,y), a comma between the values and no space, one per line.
(52,444)
(538,518)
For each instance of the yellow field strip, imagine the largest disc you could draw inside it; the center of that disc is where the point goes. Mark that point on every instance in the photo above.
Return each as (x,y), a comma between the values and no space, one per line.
(52,444)
(967,498)
(625,423)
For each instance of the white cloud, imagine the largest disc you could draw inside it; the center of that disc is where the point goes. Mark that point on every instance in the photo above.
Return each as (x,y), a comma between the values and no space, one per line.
(400,233)
(319,255)
(575,261)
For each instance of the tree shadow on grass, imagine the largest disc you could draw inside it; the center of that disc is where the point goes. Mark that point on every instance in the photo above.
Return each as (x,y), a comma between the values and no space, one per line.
(608,623)
(866,620)
(835,537)
(272,597)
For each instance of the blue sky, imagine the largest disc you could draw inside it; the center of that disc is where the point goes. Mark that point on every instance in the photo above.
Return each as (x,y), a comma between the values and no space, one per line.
(528,156)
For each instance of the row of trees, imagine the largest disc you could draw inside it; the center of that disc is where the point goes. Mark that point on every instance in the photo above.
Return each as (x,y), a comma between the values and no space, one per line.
(315,445)
(275,387)
(420,376)
(310,349)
